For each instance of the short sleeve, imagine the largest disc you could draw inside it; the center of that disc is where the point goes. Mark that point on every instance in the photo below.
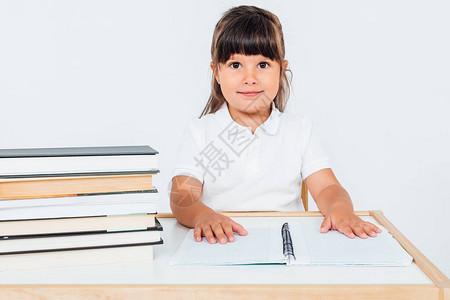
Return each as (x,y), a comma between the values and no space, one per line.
(314,157)
(187,158)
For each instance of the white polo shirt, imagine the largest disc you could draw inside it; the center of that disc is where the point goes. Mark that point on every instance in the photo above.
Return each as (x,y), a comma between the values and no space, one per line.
(241,171)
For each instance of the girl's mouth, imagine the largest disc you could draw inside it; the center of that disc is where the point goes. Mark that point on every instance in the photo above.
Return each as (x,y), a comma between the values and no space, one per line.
(250,94)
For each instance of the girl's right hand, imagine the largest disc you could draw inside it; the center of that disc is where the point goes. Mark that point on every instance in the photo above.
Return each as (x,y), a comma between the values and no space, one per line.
(214,224)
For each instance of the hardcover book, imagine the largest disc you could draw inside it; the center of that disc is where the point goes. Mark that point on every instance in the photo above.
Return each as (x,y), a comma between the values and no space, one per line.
(73,160)
(82,205)
(80,224)
(77,241)
(46,187)
(84,257)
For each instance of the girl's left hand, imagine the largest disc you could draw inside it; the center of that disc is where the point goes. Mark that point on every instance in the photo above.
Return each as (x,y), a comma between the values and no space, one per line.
(349,224)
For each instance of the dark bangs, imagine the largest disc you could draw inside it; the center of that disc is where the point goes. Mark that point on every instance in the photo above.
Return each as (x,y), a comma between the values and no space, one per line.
(249,35)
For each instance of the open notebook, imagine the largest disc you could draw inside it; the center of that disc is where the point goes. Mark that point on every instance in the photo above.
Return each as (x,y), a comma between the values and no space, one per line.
(264,245)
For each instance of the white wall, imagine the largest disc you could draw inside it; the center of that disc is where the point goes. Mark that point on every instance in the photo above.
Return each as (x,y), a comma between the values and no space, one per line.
(373,75)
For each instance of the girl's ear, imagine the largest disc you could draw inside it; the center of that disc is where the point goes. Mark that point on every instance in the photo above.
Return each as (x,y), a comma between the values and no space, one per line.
(285,64)
(212,68)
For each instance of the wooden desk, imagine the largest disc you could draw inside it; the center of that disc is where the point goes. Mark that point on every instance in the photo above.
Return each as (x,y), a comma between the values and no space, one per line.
(421,280)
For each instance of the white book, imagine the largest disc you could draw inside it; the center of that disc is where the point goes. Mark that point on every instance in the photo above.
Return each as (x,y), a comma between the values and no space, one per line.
(45,260)
(264,245)
(39,161)
(81,224)
(78,206)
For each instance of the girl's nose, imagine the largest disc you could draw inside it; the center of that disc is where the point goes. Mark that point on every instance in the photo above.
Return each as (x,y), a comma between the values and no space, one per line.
(250,77)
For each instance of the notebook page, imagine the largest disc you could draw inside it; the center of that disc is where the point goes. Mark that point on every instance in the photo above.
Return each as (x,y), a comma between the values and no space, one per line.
(299,244)
(251,249)
(334,248)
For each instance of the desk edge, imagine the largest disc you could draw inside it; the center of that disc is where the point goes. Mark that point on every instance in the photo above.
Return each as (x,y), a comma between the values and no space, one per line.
(427,267)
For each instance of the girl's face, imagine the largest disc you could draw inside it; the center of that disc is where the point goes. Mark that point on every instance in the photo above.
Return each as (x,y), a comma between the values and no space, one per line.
(249,83)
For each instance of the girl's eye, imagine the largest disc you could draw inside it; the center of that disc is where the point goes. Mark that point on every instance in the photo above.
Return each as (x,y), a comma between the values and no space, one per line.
(263,65)
(235,65)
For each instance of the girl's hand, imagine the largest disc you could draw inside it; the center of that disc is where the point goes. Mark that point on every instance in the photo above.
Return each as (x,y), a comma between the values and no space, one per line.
(214,224)
(349,224)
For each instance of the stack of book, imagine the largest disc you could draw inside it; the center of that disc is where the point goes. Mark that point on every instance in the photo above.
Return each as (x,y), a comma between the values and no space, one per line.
(77,206)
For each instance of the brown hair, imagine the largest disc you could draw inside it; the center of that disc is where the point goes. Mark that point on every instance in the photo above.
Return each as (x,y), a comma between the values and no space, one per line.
(248,30)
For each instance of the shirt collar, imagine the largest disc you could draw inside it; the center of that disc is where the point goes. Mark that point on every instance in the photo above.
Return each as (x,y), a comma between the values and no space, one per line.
(270,126)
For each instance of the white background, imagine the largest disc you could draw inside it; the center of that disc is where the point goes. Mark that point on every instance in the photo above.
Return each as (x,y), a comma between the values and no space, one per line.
(373,75)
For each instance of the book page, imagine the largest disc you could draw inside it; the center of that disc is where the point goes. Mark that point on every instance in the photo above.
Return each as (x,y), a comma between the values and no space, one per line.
(253,248)
(299,243)
(334,248)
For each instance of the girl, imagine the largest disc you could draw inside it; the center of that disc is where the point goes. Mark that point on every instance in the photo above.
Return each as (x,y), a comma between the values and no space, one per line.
(245,153)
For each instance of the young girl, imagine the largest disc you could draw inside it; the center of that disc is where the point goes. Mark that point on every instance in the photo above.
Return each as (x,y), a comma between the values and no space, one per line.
(245,153)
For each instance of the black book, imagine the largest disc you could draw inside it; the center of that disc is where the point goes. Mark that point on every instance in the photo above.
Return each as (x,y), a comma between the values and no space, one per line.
(82,240)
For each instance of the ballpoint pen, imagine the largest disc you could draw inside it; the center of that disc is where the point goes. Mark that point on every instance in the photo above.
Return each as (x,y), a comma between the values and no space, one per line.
(288,249)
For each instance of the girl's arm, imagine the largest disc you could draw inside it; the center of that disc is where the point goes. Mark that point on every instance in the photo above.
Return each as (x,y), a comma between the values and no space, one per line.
(190,211)
(335,203)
